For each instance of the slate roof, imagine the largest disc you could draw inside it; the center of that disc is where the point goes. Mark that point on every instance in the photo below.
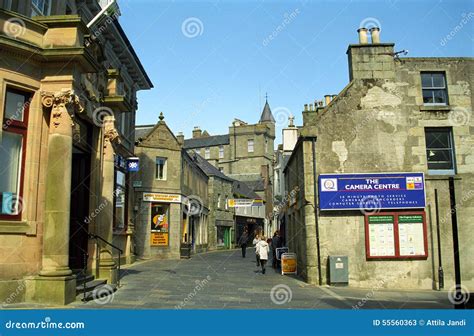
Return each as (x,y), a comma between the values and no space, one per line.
(256,185)
(208,168)
(142,131)
(267,114)
(242,189)
(214,140)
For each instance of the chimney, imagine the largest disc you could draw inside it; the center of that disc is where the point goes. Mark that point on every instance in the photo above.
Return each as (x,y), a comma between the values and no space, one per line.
(180,138)
(333,96)
(362,35)
(306,107)
(327,99)
(375,33)
(197,132)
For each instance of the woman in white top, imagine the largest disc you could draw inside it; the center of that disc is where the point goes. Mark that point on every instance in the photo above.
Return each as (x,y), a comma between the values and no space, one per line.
(262,251)
(255,242)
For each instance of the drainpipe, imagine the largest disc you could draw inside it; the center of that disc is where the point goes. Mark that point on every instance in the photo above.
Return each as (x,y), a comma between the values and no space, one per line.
(315,207)
(457,263)
(440,262)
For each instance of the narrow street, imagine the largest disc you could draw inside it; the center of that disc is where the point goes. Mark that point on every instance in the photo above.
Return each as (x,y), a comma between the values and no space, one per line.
(223,279)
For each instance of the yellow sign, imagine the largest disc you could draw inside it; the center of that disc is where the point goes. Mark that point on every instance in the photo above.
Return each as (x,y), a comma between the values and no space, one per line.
(159,239)
(243,202)
(288,263)
(165,198)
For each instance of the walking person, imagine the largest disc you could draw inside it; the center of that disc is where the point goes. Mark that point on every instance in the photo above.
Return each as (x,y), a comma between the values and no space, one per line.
(276,243)
(263,249)
(243,241)
(255,242)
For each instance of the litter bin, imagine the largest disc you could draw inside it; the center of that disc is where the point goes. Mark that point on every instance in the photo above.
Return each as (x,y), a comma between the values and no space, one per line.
(338,270)
(185,250)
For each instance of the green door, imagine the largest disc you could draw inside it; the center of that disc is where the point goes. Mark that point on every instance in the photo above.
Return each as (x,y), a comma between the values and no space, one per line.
(227,238)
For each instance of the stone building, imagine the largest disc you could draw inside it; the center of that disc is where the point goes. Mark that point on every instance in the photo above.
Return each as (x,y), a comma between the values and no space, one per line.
(396,115)
(68,102)
(246,153)
(171,195)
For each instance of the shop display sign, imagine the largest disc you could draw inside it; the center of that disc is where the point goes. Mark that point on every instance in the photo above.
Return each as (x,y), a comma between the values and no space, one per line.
(371,191)
(159,225)
(396,235)
(164,198)
(288,263)
(243,202)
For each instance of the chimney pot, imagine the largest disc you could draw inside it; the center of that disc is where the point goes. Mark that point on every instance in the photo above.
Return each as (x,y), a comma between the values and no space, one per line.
(320,103)
(375,33)
(362,35)
(197,132)
(332,97)
(306,107)
(327,99)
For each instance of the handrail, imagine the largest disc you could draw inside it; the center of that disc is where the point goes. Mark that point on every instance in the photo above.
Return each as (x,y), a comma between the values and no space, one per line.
(96,237)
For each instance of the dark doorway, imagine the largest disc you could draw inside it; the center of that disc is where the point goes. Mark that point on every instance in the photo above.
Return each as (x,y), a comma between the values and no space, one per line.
(80,193)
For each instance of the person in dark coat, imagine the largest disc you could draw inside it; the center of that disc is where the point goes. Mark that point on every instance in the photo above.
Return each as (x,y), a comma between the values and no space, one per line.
(276,243)
(243,241)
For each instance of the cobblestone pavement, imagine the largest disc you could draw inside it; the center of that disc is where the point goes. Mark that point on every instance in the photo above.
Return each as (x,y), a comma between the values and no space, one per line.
(224,279)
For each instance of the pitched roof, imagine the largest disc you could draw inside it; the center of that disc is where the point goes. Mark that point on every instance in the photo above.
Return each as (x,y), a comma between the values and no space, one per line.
(241,189)
(267,114)
(214,140)
(208,168)
(141,131)
(256,185)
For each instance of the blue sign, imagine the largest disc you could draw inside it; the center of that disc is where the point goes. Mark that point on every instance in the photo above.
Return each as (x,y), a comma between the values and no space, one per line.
(369,192)
(133,164)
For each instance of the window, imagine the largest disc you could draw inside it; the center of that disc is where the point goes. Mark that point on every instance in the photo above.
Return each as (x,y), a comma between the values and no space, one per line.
(160,173)
(266,144)
(434,88)
(218,201)
(40,7)
(221,152)
(440,150)
(12,150)
(226,202)
(207,153)
(120,200)
(250,146)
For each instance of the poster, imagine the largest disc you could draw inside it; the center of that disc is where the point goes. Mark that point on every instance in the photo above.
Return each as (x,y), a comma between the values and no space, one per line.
(159,225)
(411,236)
(288,263)
(381,236)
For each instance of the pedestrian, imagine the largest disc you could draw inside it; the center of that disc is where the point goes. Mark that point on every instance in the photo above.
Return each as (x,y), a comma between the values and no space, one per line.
(243,241)
(263,248)
(276,243)
(255,242)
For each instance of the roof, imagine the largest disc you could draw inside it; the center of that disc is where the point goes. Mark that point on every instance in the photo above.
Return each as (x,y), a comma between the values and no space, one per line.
(208,168)
(142,131)
(256,185)
(267,114)
(242,189)
(214,140)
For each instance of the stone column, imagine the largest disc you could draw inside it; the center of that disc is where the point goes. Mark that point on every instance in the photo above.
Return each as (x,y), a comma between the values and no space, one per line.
(107,265)
(55,283)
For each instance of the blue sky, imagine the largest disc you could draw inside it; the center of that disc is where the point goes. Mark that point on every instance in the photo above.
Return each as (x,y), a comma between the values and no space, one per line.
(223,68)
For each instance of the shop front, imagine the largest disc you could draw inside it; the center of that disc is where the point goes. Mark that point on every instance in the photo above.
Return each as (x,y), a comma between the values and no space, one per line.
(225,233)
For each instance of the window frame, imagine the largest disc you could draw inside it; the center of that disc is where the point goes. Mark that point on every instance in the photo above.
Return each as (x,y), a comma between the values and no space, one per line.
(451,171)
(125,189)
(221,152)
(165,168)
(207,153)
(35,11)
(250,141)
(434,88)
(10,125)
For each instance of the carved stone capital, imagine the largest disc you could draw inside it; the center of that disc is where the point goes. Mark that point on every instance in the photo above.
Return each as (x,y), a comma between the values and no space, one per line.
(59,102)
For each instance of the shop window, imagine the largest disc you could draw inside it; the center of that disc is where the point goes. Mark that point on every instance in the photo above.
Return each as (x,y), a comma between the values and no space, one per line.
(13,153)
(434,88)
(120,200)
(161,165)
(250,146)
(40,7)
(440,151)
(160,221)
(207,153)
(221,152)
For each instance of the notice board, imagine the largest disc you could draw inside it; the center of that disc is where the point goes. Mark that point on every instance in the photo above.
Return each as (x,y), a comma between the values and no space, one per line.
(396,235)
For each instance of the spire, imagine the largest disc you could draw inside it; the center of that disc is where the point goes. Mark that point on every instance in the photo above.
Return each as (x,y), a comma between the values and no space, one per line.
(267,112)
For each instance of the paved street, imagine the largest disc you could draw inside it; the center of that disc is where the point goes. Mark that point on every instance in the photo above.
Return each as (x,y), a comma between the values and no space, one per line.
(225,280)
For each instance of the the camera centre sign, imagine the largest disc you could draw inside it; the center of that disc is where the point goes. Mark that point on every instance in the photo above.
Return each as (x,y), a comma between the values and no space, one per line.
(375,190)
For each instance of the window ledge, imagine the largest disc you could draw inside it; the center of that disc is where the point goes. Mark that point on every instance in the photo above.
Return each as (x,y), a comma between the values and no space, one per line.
(434,108)
(21,227)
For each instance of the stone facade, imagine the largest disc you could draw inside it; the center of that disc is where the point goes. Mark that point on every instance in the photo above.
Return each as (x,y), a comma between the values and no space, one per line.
(78,102)
(377,123)
(183,181)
